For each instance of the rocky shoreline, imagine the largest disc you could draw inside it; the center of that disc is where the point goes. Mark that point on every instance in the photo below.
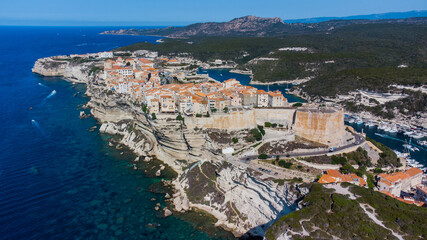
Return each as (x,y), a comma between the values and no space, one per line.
(240,200)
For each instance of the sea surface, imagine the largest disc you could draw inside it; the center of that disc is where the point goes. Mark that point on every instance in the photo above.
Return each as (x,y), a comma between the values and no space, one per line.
(58,180)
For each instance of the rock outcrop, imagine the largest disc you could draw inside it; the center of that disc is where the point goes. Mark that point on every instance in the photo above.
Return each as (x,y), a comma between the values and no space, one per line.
(242,203)
(72,70)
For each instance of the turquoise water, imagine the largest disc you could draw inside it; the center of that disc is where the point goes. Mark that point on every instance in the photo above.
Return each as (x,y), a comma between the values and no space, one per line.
(58,180)
(225,74)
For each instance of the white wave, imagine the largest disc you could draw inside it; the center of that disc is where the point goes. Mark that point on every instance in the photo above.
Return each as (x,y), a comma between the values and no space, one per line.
(37,125)
(51,94)
(41,84)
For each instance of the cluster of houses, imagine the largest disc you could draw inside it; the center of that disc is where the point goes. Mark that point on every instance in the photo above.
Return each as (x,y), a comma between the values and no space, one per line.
(405,186)
(334,176)
(139,78)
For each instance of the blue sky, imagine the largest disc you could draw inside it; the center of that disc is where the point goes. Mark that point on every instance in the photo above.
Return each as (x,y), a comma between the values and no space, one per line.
(180,12)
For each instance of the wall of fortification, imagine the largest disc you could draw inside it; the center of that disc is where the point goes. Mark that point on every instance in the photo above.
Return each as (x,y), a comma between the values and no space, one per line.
(230,121)
(319,126)
(243,120)
(279,116)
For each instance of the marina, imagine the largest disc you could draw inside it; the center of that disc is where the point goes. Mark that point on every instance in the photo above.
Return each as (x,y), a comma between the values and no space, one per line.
(407,142)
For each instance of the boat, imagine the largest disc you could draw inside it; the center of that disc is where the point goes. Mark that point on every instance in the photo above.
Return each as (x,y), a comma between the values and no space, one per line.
(370,124)
(408,133)
(351,121)
(417,135)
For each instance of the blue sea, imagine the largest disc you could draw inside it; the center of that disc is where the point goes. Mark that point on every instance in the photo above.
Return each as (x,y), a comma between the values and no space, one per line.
(58,180)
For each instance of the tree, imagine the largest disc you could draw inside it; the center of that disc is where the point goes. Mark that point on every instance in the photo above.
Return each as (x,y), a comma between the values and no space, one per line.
(153,116)
(261,129)
(179,117)
(198,115)
(263,156)
(235,140)
(207,114)
(297,105)
(267,124)
(226,109)
(144,108)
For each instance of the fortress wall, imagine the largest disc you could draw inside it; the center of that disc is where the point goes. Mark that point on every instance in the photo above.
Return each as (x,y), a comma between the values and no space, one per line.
(231,121)
(280,116)
(326,127)
(243,120)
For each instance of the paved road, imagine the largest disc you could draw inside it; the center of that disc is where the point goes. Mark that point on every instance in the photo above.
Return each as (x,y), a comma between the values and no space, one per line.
(359,141)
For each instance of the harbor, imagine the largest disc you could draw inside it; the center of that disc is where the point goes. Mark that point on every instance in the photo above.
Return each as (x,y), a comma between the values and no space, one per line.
(408,142)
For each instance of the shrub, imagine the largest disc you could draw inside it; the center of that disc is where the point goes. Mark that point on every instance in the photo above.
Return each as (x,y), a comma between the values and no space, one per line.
(338,160)
(207,114)
(263,156)
(226,109)
(214,110)
(198,115)
(370,180)
(274,125)
(179,117)
(378,170)
(297,105)
(153,116)
(261,129)
(285,164)
(267,124)
(256,134)
(144,108)
(235,140)
(347,168)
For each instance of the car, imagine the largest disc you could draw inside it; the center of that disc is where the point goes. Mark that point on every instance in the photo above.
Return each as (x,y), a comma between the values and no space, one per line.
(275,173)
(332,149)
(259,168)
(269,171)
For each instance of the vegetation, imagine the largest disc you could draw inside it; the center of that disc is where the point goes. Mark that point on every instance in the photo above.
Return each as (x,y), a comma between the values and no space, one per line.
(358,56)
(331,214)
(235,140)
(153,116)
(285,164)
(387,157)
(359,157)
(179,117)
(263,156)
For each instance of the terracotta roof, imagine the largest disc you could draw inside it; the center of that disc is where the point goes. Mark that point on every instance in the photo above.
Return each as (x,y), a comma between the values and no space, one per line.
(413,171)
(327,179)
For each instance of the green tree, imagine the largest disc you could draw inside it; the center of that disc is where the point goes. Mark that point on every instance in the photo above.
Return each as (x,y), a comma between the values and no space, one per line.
(153,116)
(263,156)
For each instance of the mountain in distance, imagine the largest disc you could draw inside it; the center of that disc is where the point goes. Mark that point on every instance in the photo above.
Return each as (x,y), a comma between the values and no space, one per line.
(252,26)
(390,15)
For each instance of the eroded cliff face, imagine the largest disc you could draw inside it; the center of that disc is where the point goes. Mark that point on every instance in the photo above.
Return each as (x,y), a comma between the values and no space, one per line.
(323,126)
(242,203)
(75,71)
